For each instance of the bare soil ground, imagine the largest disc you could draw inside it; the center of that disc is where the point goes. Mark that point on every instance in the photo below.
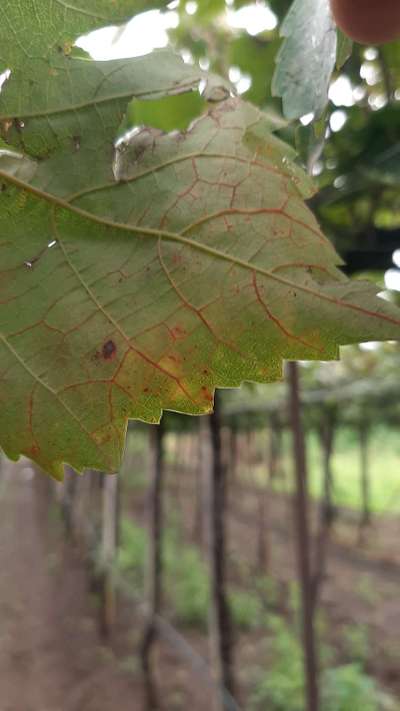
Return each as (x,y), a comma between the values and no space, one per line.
(53,659)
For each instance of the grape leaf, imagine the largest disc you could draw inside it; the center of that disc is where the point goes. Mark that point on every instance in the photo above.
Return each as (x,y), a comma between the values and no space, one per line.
(306,60)
(34,31)
(196,264)
(141,277)
(36,44)
(58,100)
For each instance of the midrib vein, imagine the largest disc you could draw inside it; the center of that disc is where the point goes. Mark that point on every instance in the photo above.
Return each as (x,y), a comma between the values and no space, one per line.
(186,241)
(95,102)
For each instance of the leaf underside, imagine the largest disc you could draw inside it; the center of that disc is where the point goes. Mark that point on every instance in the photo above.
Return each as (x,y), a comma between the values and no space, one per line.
(306,59)
(140,278)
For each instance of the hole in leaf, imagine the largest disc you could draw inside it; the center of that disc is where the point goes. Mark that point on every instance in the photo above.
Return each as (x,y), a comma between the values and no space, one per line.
(3,78)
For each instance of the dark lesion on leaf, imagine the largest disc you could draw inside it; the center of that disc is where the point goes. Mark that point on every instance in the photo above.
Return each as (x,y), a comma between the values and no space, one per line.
(109,350)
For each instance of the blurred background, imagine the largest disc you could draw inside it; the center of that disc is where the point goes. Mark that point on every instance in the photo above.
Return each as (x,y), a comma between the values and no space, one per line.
(181,582)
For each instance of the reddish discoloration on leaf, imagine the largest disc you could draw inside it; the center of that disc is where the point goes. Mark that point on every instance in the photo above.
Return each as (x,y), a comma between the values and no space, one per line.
(197,293)
(177,333)
(207,394)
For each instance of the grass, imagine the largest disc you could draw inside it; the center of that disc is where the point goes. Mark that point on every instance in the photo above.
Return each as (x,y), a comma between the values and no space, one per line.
(384,466)
(187,585)
(186,575)
(280,685)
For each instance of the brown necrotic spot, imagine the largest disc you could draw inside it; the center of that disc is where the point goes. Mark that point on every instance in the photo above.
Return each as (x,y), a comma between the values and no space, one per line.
(109,350)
